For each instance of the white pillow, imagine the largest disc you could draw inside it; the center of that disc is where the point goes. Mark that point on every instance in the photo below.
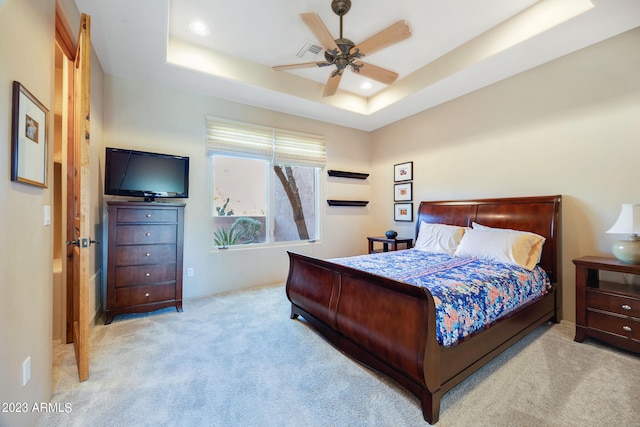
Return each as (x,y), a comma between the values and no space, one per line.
(439,238)
(500,245)
(477,226)
(536,250)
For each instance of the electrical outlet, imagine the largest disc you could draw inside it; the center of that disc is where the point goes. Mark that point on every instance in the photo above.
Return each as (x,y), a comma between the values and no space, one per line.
(26,371)
(190,272)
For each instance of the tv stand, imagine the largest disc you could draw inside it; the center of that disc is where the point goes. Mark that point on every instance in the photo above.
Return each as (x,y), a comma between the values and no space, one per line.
(145,247)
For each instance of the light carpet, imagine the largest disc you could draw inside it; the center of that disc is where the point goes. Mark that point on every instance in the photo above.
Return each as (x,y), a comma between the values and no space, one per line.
(238,360)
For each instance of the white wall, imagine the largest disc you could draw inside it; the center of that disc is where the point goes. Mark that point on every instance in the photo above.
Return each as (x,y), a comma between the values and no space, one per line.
(569,127)
(144,116)
(27,35)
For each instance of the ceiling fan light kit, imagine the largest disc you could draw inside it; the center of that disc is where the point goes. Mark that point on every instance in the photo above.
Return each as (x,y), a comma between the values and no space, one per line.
(345,54)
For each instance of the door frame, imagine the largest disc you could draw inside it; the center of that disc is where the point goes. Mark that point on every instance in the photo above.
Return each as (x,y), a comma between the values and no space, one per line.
(68,48)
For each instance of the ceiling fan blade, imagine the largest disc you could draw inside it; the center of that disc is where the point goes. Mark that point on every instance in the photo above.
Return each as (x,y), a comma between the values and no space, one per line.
(332,86)
(376,73)
(295,66)
(390,35)
(318,29)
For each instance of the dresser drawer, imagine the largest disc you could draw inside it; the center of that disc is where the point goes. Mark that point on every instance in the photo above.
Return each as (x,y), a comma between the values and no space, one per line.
(624,326)
(145,274)
(147,215)
(145,234)
(145,294)
(620,304)
(145,254)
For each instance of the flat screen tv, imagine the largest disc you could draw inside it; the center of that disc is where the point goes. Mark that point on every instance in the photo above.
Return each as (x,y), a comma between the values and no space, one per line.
(133,173)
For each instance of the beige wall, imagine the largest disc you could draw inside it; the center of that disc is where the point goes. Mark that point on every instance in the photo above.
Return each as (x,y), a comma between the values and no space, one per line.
(27,34)
(144,116)
(26,254)
(569,127)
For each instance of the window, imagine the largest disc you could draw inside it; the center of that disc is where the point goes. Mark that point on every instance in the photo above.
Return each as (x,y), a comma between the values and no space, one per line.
(265,183)
(239,200)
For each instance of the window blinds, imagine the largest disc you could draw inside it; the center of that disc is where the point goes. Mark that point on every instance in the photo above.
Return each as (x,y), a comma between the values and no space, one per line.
(239,139)
(283,147)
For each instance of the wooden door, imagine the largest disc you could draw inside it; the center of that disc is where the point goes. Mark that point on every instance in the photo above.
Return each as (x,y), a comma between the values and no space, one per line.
(79,224)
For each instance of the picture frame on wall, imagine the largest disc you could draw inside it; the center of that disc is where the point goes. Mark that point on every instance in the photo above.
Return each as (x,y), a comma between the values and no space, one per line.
(403,172)
(29,125)
(403,212)
(403,192)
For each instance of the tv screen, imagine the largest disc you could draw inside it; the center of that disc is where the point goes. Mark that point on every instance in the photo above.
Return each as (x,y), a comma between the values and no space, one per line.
(133,173)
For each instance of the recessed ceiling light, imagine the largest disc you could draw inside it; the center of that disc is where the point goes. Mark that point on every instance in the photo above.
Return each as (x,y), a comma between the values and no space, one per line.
(199,28)
(366,85)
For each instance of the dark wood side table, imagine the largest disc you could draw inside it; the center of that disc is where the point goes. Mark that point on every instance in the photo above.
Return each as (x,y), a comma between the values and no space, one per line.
(607,311)
(388,244)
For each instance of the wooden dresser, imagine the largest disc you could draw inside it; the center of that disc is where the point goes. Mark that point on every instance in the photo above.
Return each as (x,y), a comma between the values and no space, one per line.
(144,268)
(606,310)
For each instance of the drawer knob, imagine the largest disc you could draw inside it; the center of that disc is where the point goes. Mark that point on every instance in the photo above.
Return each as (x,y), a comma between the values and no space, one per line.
(147,294)
(627,328)
(626,307)
(147,234)
(147,254)
(147,274)
(148,215)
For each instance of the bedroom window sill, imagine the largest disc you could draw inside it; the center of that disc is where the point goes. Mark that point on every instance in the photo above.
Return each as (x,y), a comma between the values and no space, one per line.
(262,246)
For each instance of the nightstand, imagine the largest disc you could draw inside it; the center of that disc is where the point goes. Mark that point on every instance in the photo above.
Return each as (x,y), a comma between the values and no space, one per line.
(607,311)
(388,244)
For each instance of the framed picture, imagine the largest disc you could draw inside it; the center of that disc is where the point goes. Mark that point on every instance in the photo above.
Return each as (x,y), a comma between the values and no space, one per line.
(403,212)
(403,192)
(403,172)
(29,124)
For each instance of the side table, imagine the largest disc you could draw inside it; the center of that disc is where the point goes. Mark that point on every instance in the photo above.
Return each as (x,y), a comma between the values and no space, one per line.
(607,311)
(388,244)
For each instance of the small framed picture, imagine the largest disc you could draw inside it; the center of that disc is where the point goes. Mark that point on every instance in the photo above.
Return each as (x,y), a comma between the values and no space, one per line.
(403,192)
(403,172)
(29,123)
(403,212)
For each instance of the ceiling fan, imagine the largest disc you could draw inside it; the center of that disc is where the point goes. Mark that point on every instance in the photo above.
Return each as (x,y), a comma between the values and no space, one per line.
(343,53)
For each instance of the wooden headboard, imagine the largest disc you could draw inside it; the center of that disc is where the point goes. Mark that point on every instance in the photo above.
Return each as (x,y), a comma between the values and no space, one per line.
(540,215)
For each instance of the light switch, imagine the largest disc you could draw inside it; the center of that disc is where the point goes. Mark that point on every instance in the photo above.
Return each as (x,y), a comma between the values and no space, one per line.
(47,215)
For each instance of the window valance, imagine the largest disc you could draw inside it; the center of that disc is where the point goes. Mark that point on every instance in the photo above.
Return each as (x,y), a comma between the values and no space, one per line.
(283,147)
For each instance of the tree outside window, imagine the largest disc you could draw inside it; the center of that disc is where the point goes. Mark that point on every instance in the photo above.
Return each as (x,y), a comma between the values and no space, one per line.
(295,203)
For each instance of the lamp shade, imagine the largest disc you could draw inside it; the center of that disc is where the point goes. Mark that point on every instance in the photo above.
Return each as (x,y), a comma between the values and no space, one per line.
(628,221)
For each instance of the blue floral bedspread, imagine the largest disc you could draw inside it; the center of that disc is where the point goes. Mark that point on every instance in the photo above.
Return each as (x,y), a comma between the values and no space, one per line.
(469,293)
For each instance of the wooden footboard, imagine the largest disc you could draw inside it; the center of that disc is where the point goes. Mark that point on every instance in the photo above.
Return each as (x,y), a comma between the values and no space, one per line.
(378,321)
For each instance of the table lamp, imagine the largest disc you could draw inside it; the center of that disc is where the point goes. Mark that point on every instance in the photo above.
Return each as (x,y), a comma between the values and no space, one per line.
(628,223)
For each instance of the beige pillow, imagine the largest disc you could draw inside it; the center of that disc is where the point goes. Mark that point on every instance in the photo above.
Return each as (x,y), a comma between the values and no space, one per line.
(439,238)
(536,250)
(508,246)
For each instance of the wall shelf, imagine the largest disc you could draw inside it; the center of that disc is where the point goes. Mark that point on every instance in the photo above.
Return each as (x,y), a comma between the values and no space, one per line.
(347,202)
(345,174)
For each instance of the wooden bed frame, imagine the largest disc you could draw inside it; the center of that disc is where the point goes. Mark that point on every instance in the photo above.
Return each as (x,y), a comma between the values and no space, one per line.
(390,325)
